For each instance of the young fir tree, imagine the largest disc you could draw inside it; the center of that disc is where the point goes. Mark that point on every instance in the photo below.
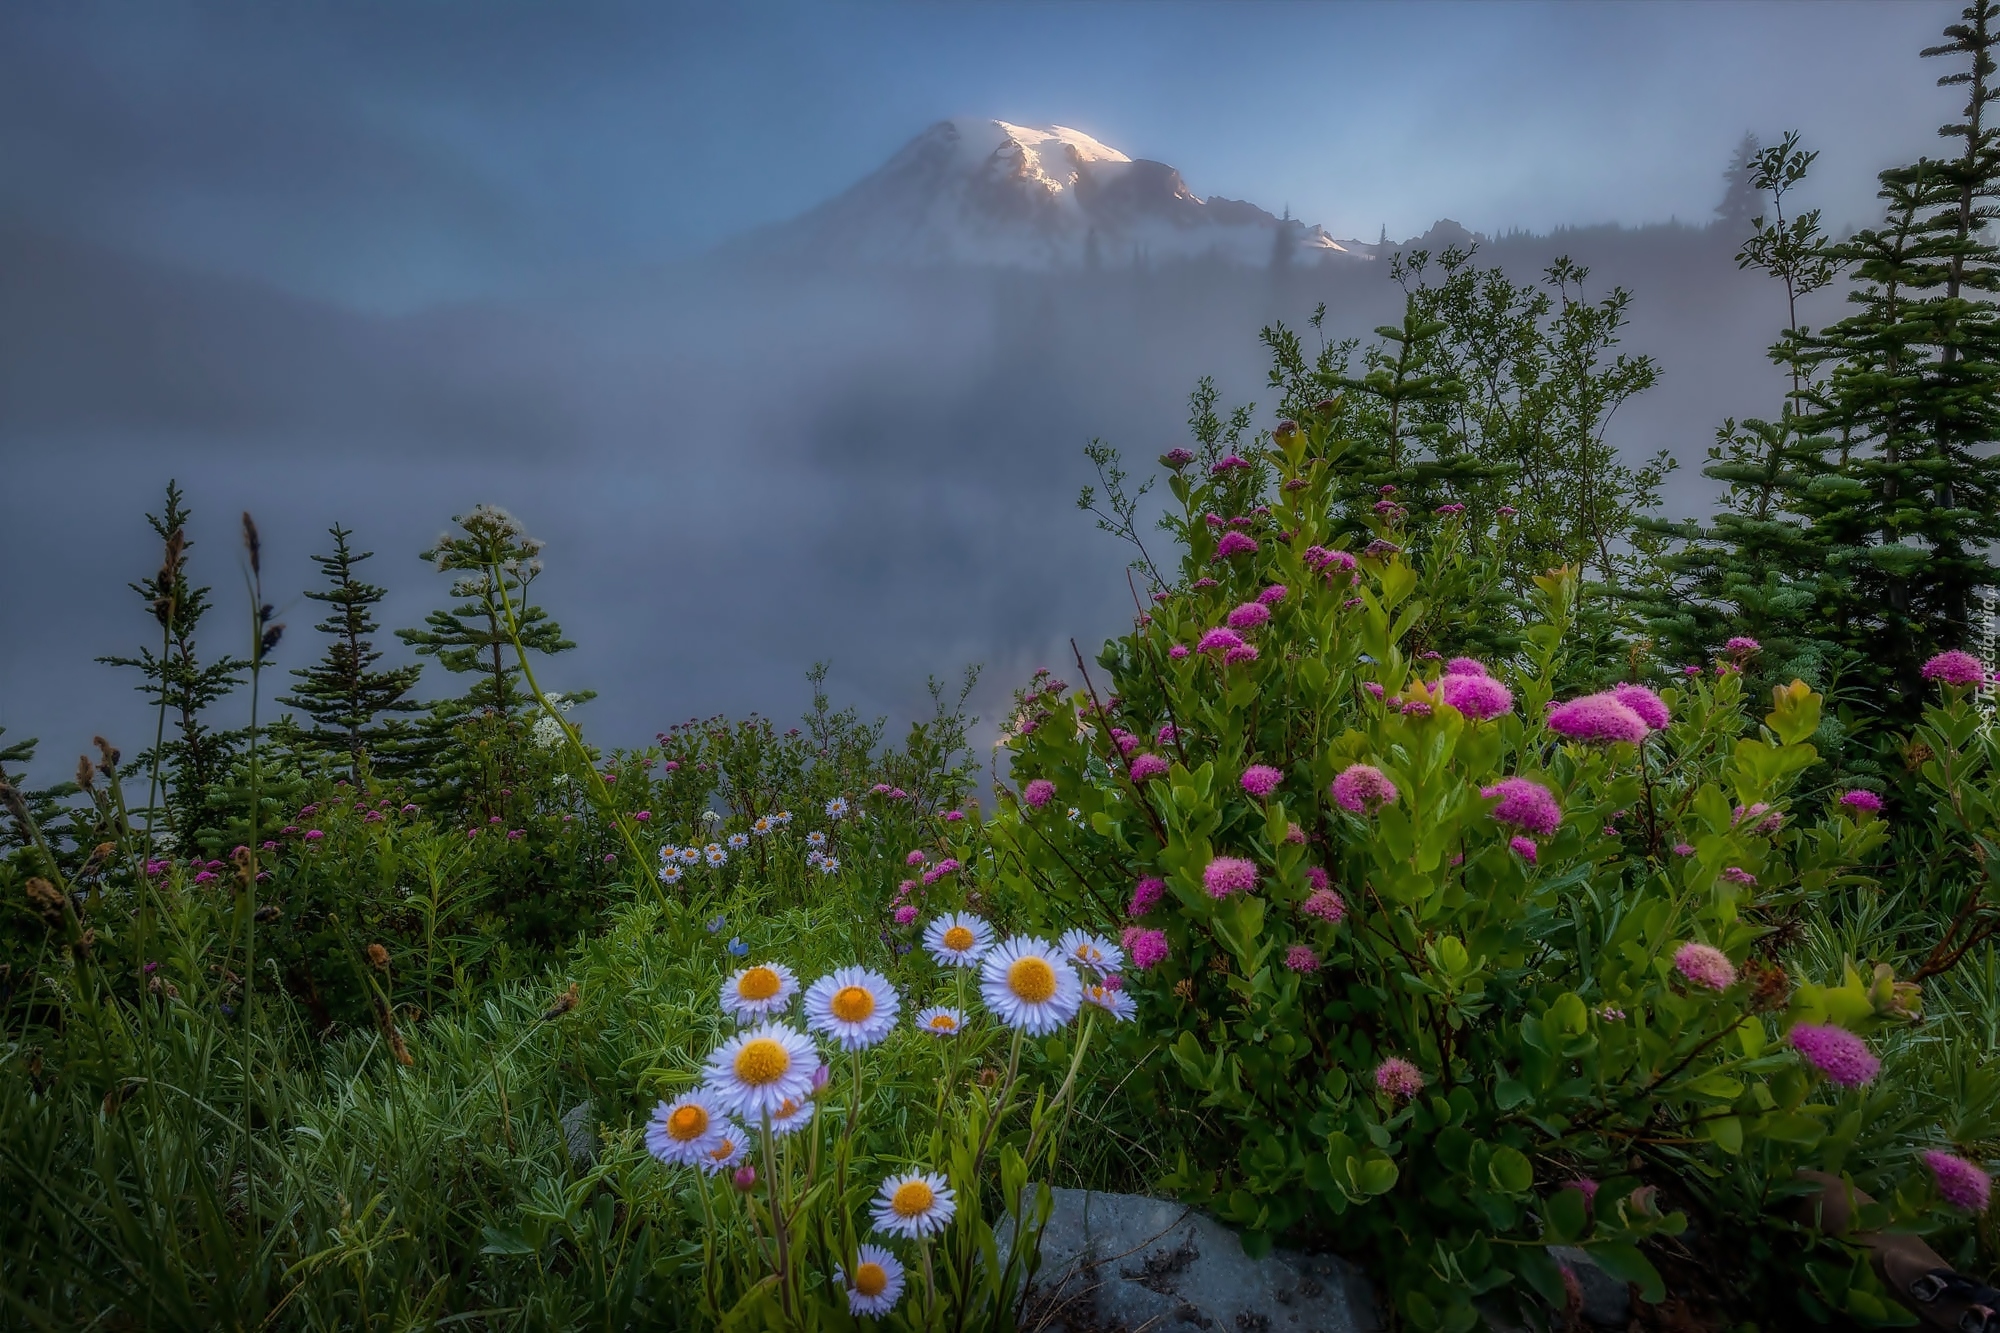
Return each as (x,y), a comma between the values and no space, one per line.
(1756,570)
(343,693)
(1906,497)
(190,755)
(495,562)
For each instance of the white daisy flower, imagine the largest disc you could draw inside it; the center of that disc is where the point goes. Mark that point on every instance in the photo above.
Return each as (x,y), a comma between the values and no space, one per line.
(829,865)
(716,856)
(854,1006)
(688,855)
(1028,985)
(837,808)
(1121,1006)
(683,1132)
(958,940)
(913,1206)
(782,818)
(791,1116)
(668,851)
(759,991)
(1092,955)
(738,841)
(815,856)
(670,874)
(877,1283)
(762,828)
(732,1145)
(941,1021)
(755,1071)
(815,840)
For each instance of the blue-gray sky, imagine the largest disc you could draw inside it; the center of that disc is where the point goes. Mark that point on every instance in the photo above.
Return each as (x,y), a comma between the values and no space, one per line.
(390,155)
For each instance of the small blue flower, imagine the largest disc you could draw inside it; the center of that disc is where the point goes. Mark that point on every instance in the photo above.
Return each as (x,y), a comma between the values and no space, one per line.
(737,947)
(715,926)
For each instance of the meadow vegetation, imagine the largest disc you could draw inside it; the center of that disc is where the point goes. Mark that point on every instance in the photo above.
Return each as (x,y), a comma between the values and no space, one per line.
(1454,861)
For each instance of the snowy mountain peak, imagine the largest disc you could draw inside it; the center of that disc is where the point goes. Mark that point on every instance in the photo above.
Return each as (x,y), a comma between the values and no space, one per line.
(992,193)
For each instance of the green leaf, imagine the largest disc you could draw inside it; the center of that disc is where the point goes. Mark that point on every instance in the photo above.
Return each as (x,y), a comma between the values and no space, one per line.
(1510,1171)
(1625,1264)
(1377,1176)
(1567,1215)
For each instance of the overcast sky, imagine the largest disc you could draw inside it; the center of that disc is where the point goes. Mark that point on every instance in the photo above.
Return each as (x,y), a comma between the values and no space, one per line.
(392,154)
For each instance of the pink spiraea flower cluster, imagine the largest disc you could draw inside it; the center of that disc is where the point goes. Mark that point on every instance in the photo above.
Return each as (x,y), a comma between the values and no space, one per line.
(1227,875)
(1272,595)
(1146,895)
(1610,715)
(1249,615)
(1705,965)
(1861,800)
(1398,1078)
(1837,1053)
(1146,948)
(1329,562)
(1234,543)
(1146,767)
(1955,668)
(1301,958)
(1524,847)
(1260,780)
(1039,793)
(1525,805)
(1325,904)
(1759,816)
(1362,789)
(1479,698)
(1959,1183)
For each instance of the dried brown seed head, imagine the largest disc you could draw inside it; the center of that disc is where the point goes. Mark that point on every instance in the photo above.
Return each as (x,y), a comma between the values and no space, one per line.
(107,762)
(85,771)
(378,957)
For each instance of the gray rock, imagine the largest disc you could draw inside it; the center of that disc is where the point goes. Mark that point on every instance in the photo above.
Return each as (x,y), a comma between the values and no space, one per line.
(580,1134)
(1607,1302)
(1122,1263)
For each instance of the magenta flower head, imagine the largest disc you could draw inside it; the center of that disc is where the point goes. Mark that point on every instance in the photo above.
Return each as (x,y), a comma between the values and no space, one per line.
(1317,877)
(1959,1182)
(1146,895)
(1272,595)
(1176,459)
(1362,789)
(1039,792)
(1374,688)
(1124,740)
(1219,640)
(1249,615)
(1234,543)
(1465,666)
(1146,948)
(1178,651)
(1524,847)
(1528,806)
(1477,698)
(1650,707)
(1301,958)
(906,914)
(1167,734)
(1597,719)
(1843,1057)
(1861,801)
(1398,1078)
(1742,647)
(1955,668)
(915,858)
(1705,965)
(950,816)
(1325,904)
(1229,874)
(1585,1186)
(1738,875)
(1146,767)
(1242,652)
(1683,849)
(314,835)
(1260,780)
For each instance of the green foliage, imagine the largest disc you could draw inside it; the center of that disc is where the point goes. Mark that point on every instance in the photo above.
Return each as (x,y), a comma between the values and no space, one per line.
(343,693)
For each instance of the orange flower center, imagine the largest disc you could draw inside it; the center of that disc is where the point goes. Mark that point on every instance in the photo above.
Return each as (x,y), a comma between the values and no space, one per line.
(870,1279)
(687,1123)
(958,939)
(852,1004)
(944,1023)
(762,1061)
(913,1198)
(1032,979)
(724,1150)
(759,983)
